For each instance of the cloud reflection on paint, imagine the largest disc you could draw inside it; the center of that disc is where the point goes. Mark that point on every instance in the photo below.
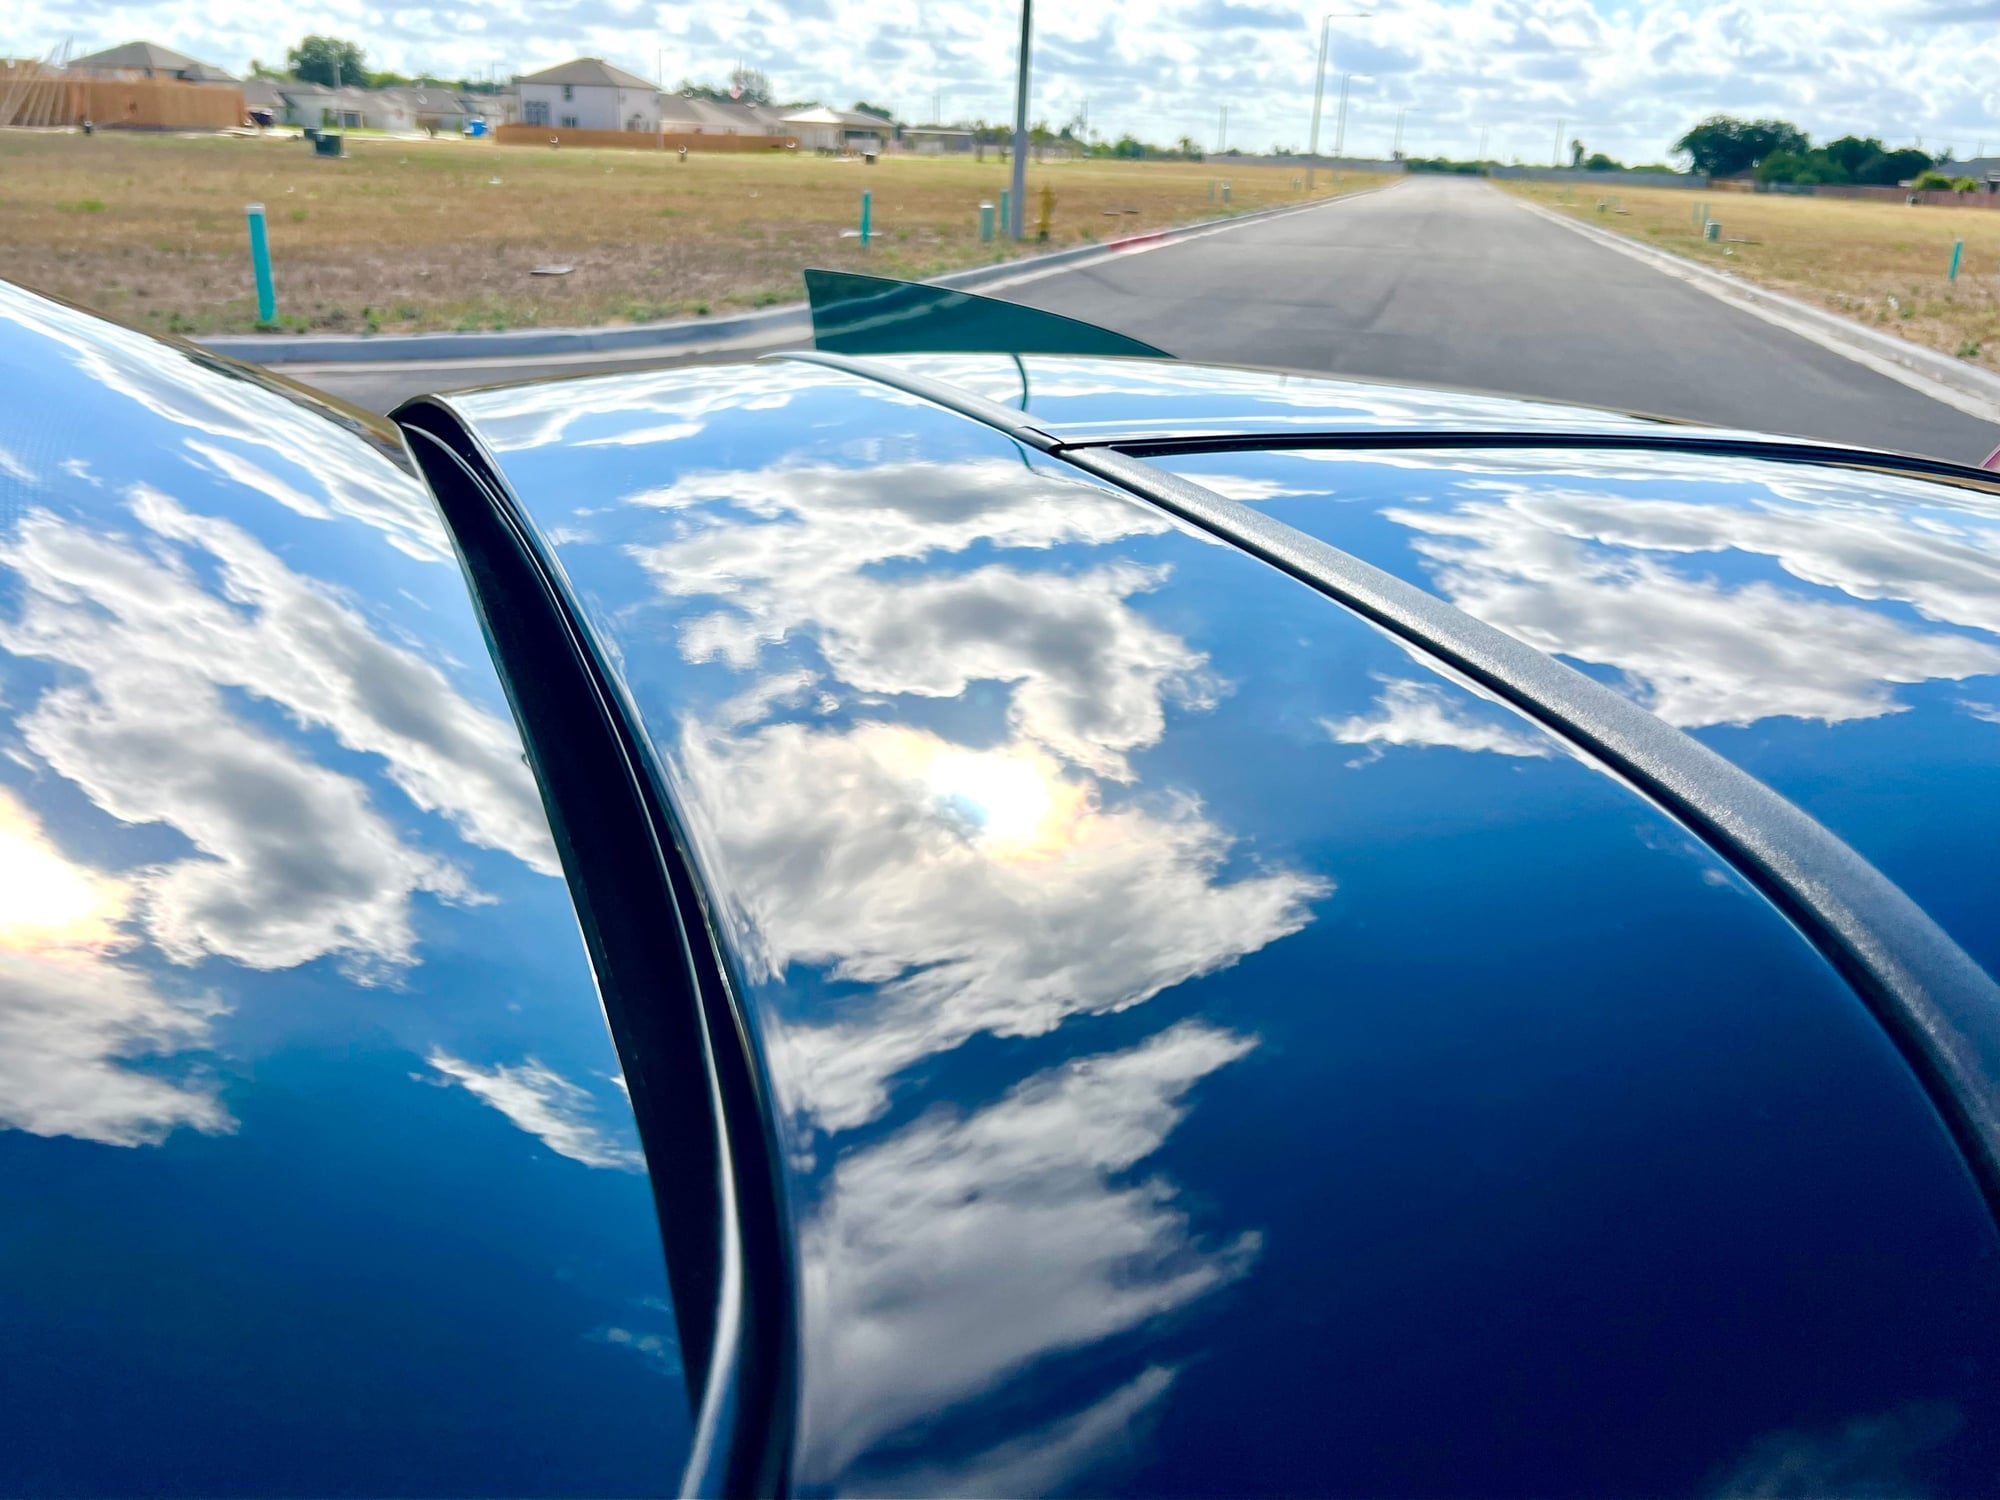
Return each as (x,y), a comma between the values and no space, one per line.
(73,1018)
(293,860)
(992,1240)
(973,891)
(1693,651)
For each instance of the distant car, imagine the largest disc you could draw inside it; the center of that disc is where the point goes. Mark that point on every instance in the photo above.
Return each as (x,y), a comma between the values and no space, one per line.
(1164,930)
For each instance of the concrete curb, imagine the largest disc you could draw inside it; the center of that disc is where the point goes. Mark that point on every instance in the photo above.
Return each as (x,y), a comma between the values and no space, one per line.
(1952,381)
(778,325)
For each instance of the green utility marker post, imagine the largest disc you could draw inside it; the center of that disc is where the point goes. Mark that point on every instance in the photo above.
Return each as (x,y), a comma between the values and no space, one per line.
(1957,250)
(1004,220)
(260,263)
(985,221)
(1712,230)
(1211,190)
(865,203)
(1225,190)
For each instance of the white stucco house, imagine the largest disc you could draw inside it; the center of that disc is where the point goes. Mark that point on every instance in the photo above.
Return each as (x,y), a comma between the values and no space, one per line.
(589,94)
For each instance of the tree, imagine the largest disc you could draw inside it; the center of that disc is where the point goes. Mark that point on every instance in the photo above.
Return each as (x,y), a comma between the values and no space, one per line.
(1599,162)
(1188,147)
(327,60)
(1128,147)
(1575,154)
(880,112)
(1722,145)
(1932,182)
(749,85)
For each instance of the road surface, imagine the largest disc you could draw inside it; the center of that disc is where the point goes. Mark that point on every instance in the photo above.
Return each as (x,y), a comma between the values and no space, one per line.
(1441,281)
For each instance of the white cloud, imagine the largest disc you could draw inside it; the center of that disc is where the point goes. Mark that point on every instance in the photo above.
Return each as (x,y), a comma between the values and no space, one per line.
(331,474)
(293,860)
(71,1017)
(1626,80)
(68,1024)
(539,1100)
(1693,651)
(978,891)
(1047,1460)
(1091,675)
(1425,713)
(952,1255)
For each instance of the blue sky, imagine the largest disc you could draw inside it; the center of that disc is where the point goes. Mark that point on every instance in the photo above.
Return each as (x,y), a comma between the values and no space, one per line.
(1624,78)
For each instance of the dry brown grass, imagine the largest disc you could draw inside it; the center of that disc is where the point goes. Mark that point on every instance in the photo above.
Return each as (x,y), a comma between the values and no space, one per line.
(407,235)
(1880,263)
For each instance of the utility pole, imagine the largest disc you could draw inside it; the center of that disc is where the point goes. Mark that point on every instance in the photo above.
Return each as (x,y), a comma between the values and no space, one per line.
(1482,143)
(1014,204)
(1222,132)
(1319,81)
(1398,151)
(1559,141)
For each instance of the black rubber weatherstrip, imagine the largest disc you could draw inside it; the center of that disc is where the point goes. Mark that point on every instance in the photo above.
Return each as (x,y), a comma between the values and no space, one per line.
(697,1089)
(1668,440)
(1941,1008)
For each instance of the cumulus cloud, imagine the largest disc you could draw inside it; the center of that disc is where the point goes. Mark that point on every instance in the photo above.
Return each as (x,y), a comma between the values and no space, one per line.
(1425,713)
(977,891)
(292,858)
(1693,651)
(1047,1460)
(72,1018)
(537,1099)
(955,1253)
(1091,676)
(312,465)
(1632,78)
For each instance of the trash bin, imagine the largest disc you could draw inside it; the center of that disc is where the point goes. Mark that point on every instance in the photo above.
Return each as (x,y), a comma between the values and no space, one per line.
(868,158)
(311,132)
(329,143)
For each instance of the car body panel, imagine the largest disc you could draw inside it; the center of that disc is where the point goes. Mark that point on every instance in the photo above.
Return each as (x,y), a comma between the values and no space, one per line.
(1219,1051)
(1091,399)
(1836,634)
(315,1172)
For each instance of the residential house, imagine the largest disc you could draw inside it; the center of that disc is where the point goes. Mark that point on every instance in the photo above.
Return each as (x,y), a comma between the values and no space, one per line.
(938,140)
(427,107)
(690,114)
(823,129)
(148,60)
(589,94)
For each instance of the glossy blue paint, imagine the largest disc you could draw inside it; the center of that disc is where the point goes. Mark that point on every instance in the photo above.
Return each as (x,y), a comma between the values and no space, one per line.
(1835,634)
(1219,1052)
(315,1176)
(1079,399)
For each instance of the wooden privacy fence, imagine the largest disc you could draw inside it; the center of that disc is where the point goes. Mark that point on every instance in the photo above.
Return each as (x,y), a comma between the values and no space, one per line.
(33,94)
(640,140)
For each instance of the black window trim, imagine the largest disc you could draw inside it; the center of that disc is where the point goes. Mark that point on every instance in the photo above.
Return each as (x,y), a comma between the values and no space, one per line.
(699,1091)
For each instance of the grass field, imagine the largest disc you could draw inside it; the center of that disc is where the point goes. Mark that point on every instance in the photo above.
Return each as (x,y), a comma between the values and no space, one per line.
(409,235)
(1879,263)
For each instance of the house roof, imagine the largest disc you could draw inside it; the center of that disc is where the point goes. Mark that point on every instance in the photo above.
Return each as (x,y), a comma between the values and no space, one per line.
(720,116)
(590,72)
(858,119)
(151,57)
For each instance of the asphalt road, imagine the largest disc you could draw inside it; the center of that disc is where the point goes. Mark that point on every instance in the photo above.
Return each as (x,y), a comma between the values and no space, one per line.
(1438,281)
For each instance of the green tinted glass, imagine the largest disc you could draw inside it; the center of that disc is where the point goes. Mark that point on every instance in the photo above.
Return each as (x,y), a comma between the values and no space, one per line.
(877,315)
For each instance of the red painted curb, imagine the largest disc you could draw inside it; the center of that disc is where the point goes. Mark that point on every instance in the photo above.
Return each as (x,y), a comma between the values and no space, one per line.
(1136,239)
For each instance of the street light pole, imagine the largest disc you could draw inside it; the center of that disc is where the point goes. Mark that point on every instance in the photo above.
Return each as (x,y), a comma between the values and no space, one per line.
(1014,204)
(1340,123)
(1319,81)
(1397,152)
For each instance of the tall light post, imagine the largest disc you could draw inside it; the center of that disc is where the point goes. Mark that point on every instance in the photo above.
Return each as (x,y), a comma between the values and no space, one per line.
(1319,80)
(1014,203)
(1340,125)
(1397,150)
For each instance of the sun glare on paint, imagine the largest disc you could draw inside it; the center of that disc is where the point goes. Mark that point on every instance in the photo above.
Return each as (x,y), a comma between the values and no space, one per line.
(46,902)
